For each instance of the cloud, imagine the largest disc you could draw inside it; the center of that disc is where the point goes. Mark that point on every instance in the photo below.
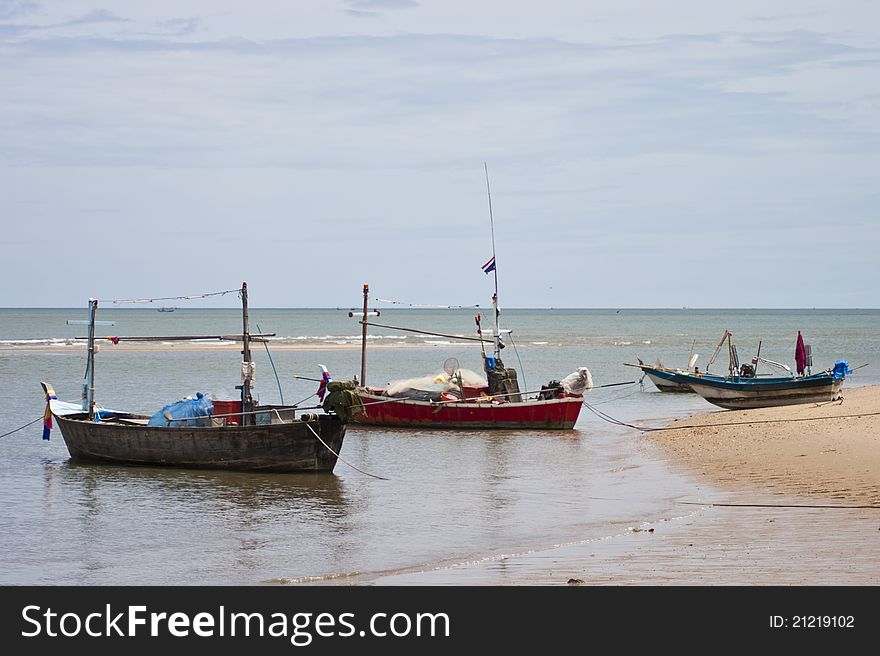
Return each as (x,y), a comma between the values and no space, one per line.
(377,5)
(179,26)
(307,102)
(94,16)
(620,142)
(15,8)
(375,8)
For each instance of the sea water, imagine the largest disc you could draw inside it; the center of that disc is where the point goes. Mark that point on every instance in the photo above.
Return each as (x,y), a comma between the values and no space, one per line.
(446,499)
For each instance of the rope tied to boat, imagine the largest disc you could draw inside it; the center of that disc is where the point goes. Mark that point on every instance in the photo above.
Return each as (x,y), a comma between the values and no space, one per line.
(330,449)
(611,420)
(30,423)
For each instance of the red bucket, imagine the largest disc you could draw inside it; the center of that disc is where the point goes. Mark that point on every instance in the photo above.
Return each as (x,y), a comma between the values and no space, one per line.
(229,408)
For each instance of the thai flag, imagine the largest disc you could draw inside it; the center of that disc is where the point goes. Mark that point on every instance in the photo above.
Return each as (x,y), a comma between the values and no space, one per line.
(325,378)
(489,266)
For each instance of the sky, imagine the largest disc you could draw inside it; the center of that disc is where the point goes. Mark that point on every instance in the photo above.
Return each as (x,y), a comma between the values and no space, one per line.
(639,154)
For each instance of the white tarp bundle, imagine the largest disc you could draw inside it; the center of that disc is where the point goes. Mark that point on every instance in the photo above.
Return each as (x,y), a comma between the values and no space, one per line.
(578,382)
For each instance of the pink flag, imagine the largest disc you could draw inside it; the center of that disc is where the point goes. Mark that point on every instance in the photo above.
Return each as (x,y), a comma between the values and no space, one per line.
(800,354)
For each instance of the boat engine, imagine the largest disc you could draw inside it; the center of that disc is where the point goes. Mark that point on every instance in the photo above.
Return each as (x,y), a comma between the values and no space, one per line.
(503,382)
(747,370)
(552,390)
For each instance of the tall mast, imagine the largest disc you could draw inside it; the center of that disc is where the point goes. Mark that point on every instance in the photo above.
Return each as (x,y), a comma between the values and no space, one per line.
(246,399)
(363,380)
(494,270)
(89,383)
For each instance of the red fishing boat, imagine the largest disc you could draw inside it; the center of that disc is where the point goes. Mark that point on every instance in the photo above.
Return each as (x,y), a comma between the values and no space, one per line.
(535,414)
(460,399)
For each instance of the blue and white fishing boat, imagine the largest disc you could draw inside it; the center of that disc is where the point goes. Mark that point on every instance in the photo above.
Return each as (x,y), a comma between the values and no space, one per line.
(743,389)
(739,393)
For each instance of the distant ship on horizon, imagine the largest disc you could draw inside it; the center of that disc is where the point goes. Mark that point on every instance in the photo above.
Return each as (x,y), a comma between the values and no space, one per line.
(166,309)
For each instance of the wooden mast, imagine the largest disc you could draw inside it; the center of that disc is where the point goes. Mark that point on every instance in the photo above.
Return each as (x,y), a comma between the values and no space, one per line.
(89,385)
(246,399)
(363,380)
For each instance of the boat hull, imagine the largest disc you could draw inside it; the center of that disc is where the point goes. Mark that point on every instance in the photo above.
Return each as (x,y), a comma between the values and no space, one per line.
(671,380)
(767,393)
(282,447)
(665,381)
(551,414)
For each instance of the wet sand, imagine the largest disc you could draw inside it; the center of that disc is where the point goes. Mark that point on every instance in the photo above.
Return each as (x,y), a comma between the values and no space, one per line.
(818,451)
(781,496)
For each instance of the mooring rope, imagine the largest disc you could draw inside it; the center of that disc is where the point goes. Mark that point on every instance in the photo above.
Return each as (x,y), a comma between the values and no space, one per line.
(617,422)
(621,396)
(30,423)
(781,505)
(381,478)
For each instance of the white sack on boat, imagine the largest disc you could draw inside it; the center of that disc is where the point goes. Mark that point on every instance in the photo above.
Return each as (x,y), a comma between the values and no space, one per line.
(578,382)
(248,371)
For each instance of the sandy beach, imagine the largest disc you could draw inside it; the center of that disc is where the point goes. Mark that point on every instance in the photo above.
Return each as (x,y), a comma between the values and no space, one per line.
(105,346)
(828,451)
(781,496)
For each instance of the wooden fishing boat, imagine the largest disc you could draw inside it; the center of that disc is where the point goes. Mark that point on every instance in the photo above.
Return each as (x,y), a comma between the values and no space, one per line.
(285,444)
(264,438)
(743,389)
(496,404)
(452,403)
(531,414)
(738,393)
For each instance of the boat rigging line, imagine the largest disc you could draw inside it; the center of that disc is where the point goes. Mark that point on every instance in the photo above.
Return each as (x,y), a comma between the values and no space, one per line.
(425,306)
(188,297)
(515,350)
(272,362)
(339,457)
(424,332)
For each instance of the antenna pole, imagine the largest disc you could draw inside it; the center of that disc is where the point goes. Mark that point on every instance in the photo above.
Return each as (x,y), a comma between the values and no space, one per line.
(495,269)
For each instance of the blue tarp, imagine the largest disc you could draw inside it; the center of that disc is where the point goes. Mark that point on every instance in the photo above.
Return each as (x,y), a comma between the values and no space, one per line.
(841,369)
(191,411)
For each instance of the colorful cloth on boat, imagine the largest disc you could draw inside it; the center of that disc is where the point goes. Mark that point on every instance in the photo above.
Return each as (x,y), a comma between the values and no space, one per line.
(322,388)
(47,416)
(489,266)
(841,369)
(800,354)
